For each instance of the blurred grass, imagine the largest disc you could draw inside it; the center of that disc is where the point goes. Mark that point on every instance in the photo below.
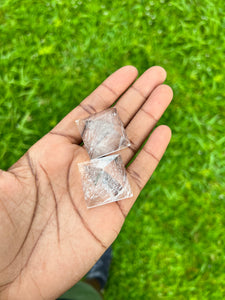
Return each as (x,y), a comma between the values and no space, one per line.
(54,53)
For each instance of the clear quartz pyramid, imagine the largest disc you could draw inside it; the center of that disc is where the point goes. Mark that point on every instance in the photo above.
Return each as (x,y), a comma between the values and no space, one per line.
(104,180)
(103,133)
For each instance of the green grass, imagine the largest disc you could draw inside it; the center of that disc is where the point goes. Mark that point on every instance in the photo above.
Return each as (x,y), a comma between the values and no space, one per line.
(54,53)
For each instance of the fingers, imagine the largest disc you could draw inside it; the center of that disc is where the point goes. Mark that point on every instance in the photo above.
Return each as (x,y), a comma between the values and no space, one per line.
(136,95)
(101,98)
(146,118)
(145,163)
(108,92)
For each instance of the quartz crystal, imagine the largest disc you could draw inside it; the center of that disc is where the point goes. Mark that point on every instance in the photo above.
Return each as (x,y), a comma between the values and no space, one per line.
(103,133)
(104,180)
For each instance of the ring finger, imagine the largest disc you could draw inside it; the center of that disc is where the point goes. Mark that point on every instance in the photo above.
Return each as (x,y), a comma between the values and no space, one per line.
(145,120)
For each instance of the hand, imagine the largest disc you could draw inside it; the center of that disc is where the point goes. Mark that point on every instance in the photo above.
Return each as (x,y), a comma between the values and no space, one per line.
(49,239)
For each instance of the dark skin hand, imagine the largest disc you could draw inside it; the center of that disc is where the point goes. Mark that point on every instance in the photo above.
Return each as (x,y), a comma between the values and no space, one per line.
(48,238)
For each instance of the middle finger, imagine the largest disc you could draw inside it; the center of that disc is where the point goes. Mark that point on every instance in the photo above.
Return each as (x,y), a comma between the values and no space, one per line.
(136,95)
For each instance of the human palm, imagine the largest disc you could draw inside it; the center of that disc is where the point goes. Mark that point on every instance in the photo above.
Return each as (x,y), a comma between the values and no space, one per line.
(48,237)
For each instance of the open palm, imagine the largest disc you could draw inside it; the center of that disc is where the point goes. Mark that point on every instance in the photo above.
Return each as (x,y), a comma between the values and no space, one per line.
(48,237)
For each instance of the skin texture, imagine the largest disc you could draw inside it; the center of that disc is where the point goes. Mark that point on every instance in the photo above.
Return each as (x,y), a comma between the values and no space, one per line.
(48,238)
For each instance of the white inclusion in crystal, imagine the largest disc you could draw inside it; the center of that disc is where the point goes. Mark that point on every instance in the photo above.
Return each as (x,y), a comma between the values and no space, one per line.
(103,133)
(104,180)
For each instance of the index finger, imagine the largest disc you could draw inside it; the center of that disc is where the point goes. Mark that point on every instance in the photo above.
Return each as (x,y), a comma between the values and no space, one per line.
(101,98)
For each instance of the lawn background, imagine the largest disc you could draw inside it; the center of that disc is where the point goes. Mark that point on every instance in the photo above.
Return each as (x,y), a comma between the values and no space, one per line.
(54,53)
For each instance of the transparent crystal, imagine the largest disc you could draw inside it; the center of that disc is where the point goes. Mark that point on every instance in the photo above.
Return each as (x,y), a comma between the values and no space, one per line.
(103,133)
(104,180)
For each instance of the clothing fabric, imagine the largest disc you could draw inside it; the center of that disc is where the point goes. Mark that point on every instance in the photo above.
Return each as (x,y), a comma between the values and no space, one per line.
(81,291)
(100,270)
